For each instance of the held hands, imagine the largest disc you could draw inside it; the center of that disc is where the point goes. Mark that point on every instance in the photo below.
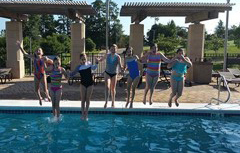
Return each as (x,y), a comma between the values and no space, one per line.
(97,60)
(18,43)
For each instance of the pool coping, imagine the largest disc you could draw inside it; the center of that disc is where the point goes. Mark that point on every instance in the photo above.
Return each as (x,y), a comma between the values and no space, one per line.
(96,107)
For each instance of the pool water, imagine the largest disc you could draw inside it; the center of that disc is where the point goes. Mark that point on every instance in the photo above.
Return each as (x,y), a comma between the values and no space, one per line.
(37,133)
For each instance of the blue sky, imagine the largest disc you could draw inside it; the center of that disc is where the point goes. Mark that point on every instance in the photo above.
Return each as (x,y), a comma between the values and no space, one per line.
(180,21)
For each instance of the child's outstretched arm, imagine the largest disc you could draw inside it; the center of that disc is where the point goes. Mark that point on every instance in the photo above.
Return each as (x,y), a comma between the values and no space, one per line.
(64,72)
(18,43)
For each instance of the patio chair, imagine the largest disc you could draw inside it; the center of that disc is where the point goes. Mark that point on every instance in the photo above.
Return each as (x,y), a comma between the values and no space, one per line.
(75,78)
(235,72)
(5,74)
(229,77)
(216,75)
(98,77)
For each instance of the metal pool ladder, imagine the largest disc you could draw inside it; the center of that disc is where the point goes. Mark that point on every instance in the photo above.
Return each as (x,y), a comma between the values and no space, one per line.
(219,90)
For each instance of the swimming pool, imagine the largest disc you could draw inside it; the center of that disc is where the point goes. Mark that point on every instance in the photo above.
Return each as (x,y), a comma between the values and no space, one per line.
(118,133)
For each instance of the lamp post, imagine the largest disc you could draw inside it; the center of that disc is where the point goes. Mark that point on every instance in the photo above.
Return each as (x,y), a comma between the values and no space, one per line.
(30,46)
(107,16)
(225,41)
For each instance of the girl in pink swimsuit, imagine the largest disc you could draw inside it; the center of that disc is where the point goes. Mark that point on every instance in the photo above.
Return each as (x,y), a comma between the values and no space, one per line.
(56,72)
(39,72)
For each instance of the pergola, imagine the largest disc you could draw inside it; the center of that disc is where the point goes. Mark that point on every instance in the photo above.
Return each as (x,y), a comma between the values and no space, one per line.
(18,11)
(193,12)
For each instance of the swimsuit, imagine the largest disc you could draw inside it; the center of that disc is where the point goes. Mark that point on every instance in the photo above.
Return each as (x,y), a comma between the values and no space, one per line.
(85,73)
(39,68)
(133,69)
(154,63)
(56,76)
(111,65)
(180,68)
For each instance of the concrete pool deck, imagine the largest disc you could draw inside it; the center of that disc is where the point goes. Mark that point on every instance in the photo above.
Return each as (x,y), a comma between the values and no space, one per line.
(97,106)
(21,89)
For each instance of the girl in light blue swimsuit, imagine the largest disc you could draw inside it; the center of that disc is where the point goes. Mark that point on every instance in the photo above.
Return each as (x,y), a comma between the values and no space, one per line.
(135,69)
(113,60)
(179,68)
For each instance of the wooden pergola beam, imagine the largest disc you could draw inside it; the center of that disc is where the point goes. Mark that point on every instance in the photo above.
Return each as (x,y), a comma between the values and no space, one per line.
(7,14)
(138,17)
(201,16)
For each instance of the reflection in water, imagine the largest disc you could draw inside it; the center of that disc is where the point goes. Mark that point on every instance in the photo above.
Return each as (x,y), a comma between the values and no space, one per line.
(111,133)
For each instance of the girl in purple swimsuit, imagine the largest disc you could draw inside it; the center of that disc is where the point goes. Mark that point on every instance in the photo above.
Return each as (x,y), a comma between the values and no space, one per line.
(39,72)
(56,72)
(135,69)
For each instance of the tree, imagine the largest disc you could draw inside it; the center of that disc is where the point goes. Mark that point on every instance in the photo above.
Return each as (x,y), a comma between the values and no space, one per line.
(214,43)
(55,44)
(169,30)
(167,44)
(47,25)
(220,30)
(31,28)
(63,25)
(90,45)
(96,25)
(3,52)
(237,36)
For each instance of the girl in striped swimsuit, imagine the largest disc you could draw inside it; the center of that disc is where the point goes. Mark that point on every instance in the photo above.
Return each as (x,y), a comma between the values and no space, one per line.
(153,71)
(56,72)
(39,72)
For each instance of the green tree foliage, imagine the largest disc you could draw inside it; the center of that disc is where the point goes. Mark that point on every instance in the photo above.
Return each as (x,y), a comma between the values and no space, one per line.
(63,25)
(47,25)
(237,36)
(169,30)
(123,41)
(220,30)
(55,44)
(3,53)
(31,28)
(96,25)
(214,43)
(90,45)
(167,44)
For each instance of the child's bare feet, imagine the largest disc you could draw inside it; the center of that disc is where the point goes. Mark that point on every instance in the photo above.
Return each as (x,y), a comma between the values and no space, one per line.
(176,102)
(170,102)
(126,104)
(144,100)
(40,101)
(131,105)
(150,102)
(105,106)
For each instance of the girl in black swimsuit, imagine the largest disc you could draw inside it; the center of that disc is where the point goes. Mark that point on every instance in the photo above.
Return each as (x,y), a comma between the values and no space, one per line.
(86,87)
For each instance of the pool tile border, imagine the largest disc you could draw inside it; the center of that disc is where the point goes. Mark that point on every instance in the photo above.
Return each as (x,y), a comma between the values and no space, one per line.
(158,109)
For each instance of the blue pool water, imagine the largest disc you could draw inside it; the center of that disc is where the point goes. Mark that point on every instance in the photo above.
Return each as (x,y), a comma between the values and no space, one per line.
(35,133)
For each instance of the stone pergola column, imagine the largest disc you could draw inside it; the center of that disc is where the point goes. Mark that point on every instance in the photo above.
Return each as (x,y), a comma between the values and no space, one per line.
(136,38)
(77,43)
(14,55)
(196,38)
